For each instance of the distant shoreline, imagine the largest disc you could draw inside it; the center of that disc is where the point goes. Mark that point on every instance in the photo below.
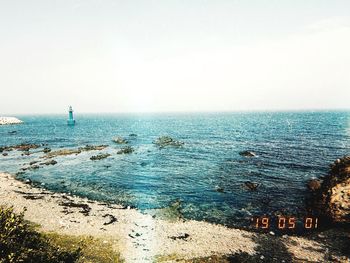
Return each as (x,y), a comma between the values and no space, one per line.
(9,121)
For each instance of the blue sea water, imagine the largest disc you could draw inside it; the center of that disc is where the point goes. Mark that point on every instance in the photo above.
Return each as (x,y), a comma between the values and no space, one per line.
(291,148)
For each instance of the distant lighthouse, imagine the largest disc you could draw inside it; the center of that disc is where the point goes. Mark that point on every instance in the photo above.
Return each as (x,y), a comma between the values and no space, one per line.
(70,120)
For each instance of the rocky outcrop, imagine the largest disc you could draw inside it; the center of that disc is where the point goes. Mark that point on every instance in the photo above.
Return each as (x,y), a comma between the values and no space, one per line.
(20,147)
(247,154)
(46,150)
(126,150)
(251,185)
(314,184)
(336,191)
(62,152)
(120,140)
(332,198)
(86,148)
(99,156)
(51,162)
(92,148)
(9,120)
(167,141)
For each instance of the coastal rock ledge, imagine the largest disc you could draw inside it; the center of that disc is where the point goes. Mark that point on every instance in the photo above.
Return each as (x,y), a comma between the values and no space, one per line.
(332,196)
(9,120)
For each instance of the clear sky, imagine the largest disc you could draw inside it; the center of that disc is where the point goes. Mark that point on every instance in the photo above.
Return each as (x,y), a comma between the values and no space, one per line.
(179,55)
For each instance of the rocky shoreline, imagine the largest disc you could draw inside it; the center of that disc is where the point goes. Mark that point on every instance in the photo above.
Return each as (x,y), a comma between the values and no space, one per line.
(144,238)
(331,194)
(9,120)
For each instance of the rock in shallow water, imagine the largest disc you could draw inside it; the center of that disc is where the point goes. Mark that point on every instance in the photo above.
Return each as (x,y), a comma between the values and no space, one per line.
(51,162)
(33,167)
(86,148)
(219,189)
(20,147)
(251,185)
(167,141)
(314,184)
(126,150)
(120,140)
(247,154)
(47,150)
(99,156)
(62,152)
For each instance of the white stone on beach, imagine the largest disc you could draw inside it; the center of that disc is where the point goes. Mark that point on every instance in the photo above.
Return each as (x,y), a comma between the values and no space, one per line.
(9,120)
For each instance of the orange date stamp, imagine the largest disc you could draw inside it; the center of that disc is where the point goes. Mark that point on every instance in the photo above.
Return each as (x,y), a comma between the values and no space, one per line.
(285,222)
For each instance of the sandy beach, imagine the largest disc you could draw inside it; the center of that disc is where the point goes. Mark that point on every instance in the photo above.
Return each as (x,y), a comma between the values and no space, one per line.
(143,238)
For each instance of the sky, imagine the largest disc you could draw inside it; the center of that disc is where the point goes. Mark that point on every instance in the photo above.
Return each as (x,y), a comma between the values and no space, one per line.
(173,56)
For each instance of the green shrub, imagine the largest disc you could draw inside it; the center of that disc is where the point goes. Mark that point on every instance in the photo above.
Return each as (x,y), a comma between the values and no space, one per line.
(19,242)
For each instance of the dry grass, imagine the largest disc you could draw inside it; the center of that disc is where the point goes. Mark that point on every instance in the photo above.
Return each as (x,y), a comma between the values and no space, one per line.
(91,249)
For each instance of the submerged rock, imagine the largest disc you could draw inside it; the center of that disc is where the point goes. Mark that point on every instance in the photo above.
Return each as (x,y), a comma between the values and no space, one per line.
(33,167)
(120,140)
(99,156)
(46,150)
(12,132)
(51,162)
(247,154)
(314,184)
(5,154)
(172,213)
(251,185)
(167,141)
(133,135)
(126,150)
(219,189)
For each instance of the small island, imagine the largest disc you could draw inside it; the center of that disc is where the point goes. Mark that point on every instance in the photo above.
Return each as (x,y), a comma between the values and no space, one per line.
(9,120)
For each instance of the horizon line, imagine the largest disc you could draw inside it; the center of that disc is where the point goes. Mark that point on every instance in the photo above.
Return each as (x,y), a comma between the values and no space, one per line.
(185,112)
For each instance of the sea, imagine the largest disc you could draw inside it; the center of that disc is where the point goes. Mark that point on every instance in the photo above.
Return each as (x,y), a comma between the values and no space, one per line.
(205,179)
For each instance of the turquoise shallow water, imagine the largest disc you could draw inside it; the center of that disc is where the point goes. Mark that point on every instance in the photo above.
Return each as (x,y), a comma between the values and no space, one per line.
(291,148)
